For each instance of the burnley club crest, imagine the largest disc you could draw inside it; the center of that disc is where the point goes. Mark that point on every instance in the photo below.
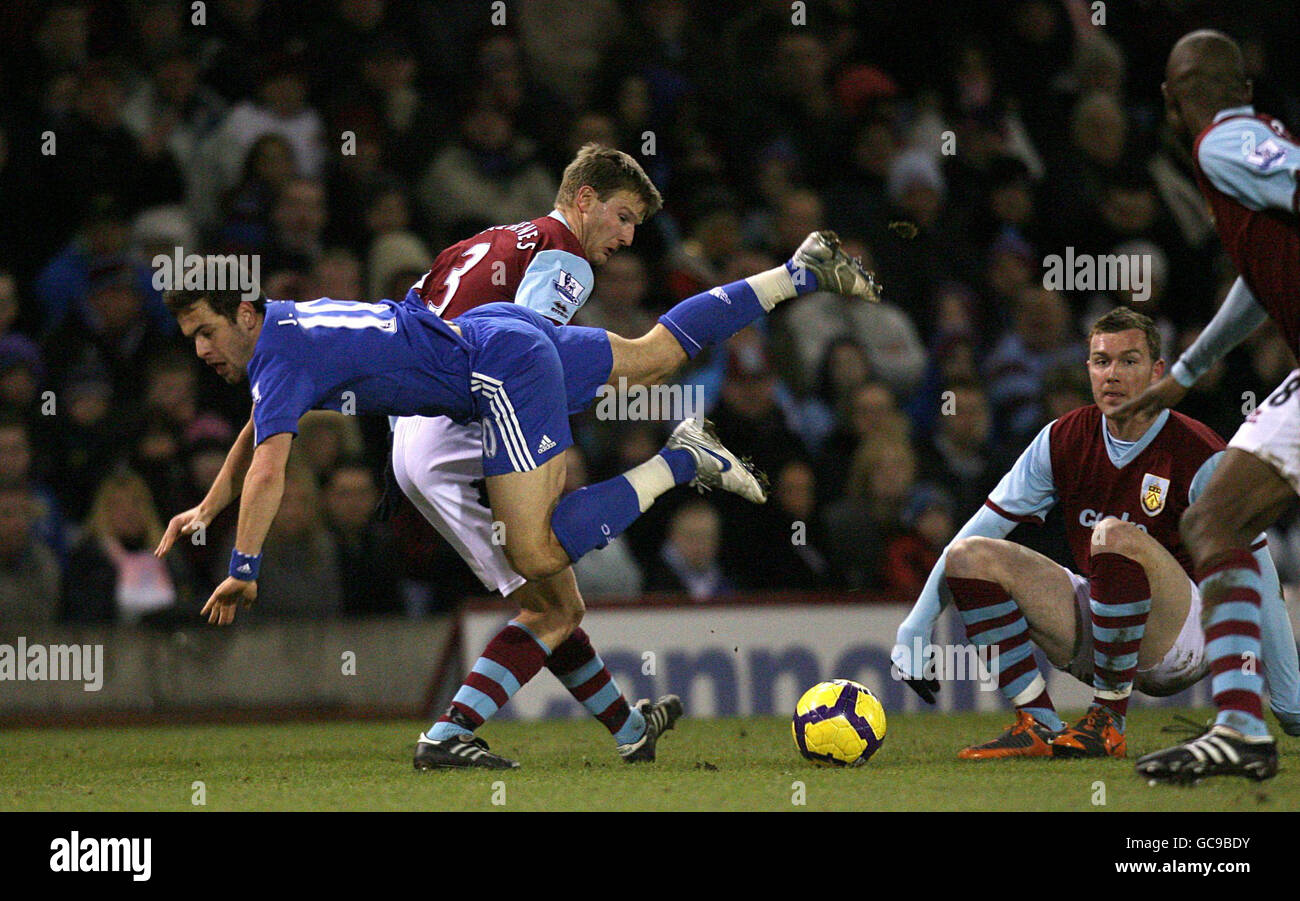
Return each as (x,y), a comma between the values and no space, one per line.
(1154,492)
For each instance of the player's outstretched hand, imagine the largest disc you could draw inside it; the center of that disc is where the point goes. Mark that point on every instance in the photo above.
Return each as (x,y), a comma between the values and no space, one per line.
(1160,396)
(926,688)
(181,525)
(220,608)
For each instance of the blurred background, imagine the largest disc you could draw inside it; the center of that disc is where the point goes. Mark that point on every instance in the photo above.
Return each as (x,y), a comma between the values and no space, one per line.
(952,145)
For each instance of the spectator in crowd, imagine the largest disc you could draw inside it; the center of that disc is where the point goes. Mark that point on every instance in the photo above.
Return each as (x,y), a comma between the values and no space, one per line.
(22,373)
(94,141)
(281,107)
(171,388)
(616,304)
(689,559)
(246,209)
(782,544)
(398,260)
(1010,205)
(507,83)
(337,274)
(856,200)
(749,420)
(961,454)
(10,308)
(325,439)
(301,578)
(844,368)
(490,175)
(157,454)
(89,438)
(203,452)
(367,559)
(172,115)
(860,525)
(29,569)
(112,573)
(297,226)
(1148,268)
(1065,388)
(927,527)
(914,261)
(1040,338)
(387,212)
(111,335)
(385,99)
(102,242)
(893,346)
(869,410)
(17,470)
(1011,267)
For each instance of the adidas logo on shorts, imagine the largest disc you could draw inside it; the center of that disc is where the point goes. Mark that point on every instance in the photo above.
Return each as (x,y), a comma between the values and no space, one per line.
(545,445)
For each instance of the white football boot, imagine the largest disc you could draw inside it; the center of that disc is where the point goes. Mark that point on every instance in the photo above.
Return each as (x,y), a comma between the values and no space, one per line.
(835,270)
(717,467)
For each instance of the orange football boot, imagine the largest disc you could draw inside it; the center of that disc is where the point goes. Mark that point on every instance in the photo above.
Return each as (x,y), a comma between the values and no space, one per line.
(1096,735)
(1027,738)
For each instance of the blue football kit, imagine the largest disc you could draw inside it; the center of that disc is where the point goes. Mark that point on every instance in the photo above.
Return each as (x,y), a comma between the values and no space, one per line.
(507,369)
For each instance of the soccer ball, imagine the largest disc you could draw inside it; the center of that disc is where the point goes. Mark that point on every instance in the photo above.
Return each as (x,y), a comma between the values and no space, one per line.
(838,723)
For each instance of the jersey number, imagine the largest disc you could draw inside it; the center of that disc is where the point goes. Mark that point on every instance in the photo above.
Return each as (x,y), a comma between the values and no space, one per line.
(473,256)
(1283,394)
(328,313)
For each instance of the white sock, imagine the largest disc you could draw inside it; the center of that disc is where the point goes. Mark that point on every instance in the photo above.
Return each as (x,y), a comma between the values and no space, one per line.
(772,287)
(649,480)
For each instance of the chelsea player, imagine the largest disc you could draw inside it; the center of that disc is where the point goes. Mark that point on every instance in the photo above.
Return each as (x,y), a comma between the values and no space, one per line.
(502,365)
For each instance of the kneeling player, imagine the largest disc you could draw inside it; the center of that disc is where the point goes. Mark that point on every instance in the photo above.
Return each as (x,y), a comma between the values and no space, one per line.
(1133,616)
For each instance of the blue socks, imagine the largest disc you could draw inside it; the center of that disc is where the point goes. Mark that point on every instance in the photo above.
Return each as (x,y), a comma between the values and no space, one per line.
(592,516)
(709,319)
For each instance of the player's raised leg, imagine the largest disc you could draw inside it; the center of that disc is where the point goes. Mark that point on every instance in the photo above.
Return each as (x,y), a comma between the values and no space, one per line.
(594,515)
(711,318)
(1245,495)
(1129,633)
(1010,598)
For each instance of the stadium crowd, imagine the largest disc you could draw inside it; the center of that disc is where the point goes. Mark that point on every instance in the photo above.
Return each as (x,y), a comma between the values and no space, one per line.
(342,144)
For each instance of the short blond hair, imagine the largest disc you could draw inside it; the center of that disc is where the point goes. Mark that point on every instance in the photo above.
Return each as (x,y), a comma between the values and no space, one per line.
(607,171)
(1122,319)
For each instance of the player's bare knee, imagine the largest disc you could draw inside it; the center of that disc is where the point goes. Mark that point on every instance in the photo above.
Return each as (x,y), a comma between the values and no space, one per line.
(973,558)
(1118,536)
(535,563)
(663,354)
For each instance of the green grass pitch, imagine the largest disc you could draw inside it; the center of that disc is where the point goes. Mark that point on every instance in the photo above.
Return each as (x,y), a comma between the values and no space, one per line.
(730,764)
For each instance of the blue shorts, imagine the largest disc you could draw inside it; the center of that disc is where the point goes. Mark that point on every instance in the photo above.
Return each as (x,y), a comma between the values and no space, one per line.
(527,375)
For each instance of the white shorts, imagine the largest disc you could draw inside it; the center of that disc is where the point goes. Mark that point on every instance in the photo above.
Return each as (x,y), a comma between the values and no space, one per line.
(1272,430)
(1183,665)
(439,466)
